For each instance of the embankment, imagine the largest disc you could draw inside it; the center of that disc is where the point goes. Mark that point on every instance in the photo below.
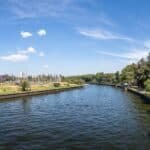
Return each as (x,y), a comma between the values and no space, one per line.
(143,94)
(34,93)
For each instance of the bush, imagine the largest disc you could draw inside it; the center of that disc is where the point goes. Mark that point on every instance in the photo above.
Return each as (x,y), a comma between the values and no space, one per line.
(78,81)
(56,84)
(24,85)
(147,85)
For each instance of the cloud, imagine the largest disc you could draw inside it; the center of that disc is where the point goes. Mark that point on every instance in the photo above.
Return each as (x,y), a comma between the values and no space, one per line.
(41,54)
(45,66)
(29,50)
(25,34)
(41,8)
(68,10)
(15,57)
(19,56)
(41,32)
(134,54)
(102,34)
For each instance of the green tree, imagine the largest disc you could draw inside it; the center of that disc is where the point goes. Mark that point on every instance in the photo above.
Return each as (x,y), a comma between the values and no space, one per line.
(56,84)
(117,77)
(128,74)
(99,77)
(25,85)
(147,85)
(142,72)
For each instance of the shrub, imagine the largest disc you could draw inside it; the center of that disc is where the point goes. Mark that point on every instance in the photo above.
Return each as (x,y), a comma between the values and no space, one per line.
(24,85)
(67,84)
(147,85)
(78,81)
(56,84)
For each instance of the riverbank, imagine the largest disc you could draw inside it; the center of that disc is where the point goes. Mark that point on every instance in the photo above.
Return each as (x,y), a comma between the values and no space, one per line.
(141,93)
(38,92)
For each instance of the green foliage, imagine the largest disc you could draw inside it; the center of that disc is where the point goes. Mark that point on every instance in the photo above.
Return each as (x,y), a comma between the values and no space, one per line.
(25,85)
(76,81)
(117,77)
(142,72)
(147,85)
(80,79)
(56,84)
(87,78)
(99,77)
(134,75)
(108,78)
(137,74)
(128,74)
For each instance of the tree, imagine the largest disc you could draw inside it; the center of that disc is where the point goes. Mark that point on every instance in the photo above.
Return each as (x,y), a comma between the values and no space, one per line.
(117,77)
(99,77)
(142,72)
(56,84)
(147,85)
(24,84)
(128,74)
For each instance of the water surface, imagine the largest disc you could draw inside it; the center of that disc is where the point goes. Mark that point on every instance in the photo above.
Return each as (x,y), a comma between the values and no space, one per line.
(94,117)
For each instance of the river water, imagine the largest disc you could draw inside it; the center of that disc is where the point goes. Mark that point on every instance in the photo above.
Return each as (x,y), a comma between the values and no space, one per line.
(90,118)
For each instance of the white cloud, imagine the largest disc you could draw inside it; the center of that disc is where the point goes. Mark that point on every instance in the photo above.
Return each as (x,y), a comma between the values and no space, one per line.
(134,54)
(41,32)
(45,66)
(19,56)
(25,34)
(14,57)
(103,35)
(38,8)
(41,54)
(29,50)
(62,9)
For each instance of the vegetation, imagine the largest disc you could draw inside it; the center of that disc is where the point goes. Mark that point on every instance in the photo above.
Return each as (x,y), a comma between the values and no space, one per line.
(10,88)
(128,74)
(56,84)
(147,85)
(25,85)
(12,84)
(137,75)
(75,79)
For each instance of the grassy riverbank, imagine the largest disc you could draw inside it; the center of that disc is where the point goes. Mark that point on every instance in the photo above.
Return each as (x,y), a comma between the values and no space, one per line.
(8,88)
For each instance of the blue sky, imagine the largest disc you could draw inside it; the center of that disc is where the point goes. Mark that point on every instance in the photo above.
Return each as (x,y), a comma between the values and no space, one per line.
(72,37)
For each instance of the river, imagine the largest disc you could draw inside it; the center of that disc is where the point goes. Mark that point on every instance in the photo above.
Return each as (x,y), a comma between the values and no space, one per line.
(89,118)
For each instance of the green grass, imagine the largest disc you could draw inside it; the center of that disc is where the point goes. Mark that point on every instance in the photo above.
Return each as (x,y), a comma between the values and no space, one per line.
(13,89)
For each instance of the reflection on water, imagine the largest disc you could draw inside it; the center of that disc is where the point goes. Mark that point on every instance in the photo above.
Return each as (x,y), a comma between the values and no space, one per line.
(26,104)
(95,117)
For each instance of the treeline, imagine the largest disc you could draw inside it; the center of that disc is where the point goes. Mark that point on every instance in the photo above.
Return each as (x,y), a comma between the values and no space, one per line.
(38,78)
(136,74)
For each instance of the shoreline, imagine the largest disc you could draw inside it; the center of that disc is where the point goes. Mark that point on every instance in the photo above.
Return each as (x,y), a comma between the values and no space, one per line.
(53,91)
(34,93)
(142,94)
